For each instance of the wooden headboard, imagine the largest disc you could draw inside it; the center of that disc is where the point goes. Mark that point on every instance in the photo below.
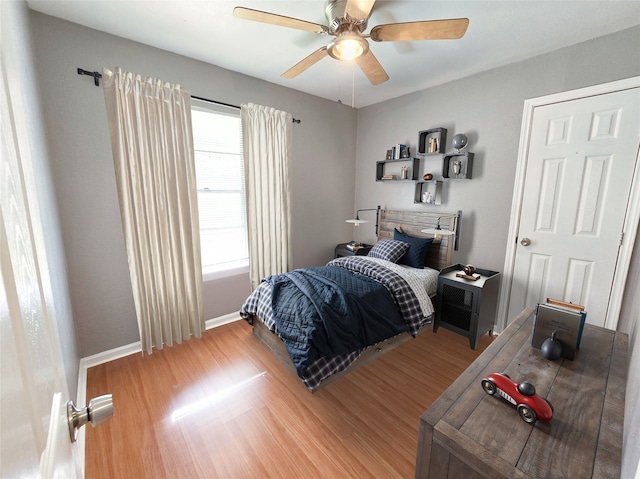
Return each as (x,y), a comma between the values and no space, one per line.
(440,255)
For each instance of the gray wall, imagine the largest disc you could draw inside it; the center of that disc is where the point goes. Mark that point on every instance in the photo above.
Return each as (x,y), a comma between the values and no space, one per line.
(25,102)
(488,108)
(82,165)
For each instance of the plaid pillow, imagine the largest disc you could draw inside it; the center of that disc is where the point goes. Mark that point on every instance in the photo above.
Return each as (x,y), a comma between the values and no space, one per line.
(389,250)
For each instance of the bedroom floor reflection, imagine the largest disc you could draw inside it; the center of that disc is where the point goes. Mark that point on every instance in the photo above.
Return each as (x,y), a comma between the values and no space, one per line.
(229,394)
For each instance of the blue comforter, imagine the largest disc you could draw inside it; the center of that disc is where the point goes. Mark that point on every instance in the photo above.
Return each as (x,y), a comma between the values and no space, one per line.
(328,311)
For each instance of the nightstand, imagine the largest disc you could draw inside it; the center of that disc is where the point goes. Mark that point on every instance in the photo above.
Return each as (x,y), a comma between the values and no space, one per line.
(465,306)
(342,250)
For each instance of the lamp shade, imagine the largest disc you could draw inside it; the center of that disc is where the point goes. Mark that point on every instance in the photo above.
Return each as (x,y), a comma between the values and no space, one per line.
(356,221)
(438,231)
(347,46)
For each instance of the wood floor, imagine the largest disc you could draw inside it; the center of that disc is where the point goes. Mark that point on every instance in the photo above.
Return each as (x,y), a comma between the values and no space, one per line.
(224,407)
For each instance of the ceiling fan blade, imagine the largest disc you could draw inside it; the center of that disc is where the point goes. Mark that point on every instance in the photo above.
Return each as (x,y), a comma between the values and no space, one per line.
(427,30)
(280,20)
(371,67)
(301,66)
(358,9)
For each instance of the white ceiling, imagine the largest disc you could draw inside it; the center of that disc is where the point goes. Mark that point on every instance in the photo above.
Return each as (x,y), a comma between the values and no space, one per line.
(500,32)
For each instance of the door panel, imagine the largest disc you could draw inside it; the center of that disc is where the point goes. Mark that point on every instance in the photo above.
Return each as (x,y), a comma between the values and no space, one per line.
(592,196)
(578,180)
(33,376)
(547,211)
(579,277)
(538,277)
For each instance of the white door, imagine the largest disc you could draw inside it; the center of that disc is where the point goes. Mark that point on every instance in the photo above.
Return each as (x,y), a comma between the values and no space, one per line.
(581,160)
(33,390)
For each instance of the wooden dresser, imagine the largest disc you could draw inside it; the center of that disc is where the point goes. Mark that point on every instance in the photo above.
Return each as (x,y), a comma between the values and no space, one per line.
(468,434)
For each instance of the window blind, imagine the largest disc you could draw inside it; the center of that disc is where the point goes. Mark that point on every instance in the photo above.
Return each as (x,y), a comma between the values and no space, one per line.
(217,138)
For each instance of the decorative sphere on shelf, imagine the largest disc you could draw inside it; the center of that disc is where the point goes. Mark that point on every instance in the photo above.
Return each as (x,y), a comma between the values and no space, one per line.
(459,141)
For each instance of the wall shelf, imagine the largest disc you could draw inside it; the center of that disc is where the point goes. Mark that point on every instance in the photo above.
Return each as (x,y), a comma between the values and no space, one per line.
(394,167)
(457,166)
(439,135)
(432,188)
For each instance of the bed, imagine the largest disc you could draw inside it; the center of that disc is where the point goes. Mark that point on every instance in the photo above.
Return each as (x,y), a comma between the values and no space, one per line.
(324,322)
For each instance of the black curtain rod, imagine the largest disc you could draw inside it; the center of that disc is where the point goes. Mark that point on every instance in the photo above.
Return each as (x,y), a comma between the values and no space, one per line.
(216,102)
(97,75)
(225,104)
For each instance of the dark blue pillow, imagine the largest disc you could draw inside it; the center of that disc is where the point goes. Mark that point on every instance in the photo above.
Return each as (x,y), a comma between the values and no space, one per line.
(417,253)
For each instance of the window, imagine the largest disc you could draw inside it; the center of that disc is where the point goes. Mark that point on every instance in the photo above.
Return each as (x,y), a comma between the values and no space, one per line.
(217,138)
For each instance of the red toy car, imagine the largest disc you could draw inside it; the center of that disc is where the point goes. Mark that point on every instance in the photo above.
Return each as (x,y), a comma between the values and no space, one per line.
(531,407)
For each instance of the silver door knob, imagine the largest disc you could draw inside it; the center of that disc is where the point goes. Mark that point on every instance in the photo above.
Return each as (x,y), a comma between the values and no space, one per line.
(99,410)
(525,242)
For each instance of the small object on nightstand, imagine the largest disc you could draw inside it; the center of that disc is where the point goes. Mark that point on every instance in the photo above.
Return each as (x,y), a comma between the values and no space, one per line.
(352,249)
(468,272)
(353,246)
(470,277)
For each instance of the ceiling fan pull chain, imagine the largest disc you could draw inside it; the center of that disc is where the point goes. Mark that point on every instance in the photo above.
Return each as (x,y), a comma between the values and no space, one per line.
(353,86)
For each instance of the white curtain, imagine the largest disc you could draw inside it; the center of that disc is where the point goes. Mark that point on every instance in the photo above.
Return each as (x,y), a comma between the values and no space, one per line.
(266,139)
(152,143)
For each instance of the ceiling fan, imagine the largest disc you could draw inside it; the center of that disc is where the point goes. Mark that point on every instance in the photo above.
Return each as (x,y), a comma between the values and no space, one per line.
(347,22)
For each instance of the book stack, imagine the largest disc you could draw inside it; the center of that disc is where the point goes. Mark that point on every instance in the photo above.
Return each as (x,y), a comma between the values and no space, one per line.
(565,319)
(472,276)
(397,151)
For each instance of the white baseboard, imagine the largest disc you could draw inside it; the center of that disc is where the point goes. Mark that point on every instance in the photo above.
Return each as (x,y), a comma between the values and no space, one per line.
(117,353)
(220,320)
(128,349)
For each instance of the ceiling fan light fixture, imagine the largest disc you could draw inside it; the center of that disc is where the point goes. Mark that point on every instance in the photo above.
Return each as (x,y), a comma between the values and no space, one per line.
(347,46)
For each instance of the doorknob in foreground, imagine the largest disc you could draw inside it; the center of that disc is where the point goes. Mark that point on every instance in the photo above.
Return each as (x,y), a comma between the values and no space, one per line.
(100,409)
(525,242)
